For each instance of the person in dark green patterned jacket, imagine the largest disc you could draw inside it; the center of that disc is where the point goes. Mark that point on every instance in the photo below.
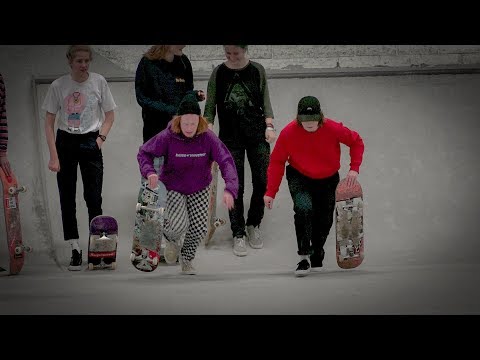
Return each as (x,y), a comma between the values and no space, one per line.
(238,91)
(163,78)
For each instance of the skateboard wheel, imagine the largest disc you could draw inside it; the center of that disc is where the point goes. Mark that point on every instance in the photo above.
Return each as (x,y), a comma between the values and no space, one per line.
(90,266)
(11,190)
(138,207)
(18,250)
(114,265)
(22,189)
(155,261)
(132,256)
(28,248)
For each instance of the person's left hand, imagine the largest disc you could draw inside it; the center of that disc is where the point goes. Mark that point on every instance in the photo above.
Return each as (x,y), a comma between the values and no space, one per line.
(200,95)
(268,200)
(228,200)
(351,178)
(5,165)
(270,135)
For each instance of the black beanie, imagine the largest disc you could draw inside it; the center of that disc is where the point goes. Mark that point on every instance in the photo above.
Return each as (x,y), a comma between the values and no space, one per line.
(189,105)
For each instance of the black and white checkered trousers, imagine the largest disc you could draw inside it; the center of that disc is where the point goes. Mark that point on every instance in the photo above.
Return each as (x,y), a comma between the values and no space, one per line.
(187,213)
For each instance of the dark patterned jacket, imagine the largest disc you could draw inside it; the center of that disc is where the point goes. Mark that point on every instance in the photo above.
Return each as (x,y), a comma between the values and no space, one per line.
(159,88)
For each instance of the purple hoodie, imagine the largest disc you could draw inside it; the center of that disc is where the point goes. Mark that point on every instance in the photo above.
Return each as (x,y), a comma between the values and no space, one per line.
(187,161)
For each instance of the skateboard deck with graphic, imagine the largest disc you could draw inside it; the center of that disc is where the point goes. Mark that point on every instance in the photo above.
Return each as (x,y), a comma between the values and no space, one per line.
(349,225)
(213,221)
(102,243)
(148,229)
(11,207)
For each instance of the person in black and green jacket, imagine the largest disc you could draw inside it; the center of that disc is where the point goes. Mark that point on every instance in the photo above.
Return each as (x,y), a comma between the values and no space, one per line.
(163,77)
(238,90)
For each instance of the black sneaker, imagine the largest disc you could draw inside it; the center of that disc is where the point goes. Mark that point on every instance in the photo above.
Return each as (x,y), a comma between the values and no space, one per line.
(316,261)
(303,268)
(76,261)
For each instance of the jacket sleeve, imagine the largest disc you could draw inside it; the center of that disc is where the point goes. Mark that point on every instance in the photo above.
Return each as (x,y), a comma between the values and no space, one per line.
(267,105)
(354,141)
(276,167)
(155,147)
(211,103)
(226,164)
(142,77)
(188,73)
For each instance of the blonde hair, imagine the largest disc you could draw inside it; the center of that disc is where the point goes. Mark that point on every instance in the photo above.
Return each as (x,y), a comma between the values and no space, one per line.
(156,52)
(73,49)
(202,125)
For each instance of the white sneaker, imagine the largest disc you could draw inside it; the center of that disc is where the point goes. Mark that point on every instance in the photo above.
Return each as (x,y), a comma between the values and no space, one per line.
(187,267)
(239,246)
(254,237)
(171,252)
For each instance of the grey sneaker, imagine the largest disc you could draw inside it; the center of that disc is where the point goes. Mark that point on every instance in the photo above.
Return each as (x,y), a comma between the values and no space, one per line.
(254,237)
(171,252)
(187,267)
(239,246)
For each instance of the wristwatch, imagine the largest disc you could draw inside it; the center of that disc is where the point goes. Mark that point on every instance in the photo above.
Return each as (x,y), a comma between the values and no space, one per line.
(103,137)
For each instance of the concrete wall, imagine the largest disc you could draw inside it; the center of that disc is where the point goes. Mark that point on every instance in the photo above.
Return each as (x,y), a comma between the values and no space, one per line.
(291,58)
(419,132)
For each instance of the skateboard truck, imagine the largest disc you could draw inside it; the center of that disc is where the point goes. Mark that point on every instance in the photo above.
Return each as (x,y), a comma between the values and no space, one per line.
(19,249)
(104,237)
(12,190)
(141,207)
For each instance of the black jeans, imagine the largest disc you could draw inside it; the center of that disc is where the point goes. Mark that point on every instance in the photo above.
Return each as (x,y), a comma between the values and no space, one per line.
(258,156)
(74,150)
(313,205)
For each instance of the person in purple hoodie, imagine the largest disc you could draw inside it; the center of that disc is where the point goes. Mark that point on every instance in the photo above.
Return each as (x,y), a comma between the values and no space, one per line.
(189,148)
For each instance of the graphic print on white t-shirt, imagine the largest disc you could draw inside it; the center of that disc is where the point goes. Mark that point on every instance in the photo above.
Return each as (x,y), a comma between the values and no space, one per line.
(79,110)
(74,104)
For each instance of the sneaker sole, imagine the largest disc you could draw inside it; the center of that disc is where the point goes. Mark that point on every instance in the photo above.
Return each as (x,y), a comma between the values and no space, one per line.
(253,246)
(302,273)
(188,273)
(240,253)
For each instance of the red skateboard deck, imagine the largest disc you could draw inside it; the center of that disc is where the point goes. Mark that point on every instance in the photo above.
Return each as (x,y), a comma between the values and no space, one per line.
(148,229)
(102,243)
(213,221)
(11,206)
(349,225)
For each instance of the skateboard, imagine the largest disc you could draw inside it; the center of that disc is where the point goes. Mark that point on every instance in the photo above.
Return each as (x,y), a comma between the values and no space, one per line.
(349,225)
(16,248)
(102,243)
(148,229)
(213,221)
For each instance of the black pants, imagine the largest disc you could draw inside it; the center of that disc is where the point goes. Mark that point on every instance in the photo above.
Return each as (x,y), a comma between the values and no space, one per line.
(74,150)
(258,156)
(313,205)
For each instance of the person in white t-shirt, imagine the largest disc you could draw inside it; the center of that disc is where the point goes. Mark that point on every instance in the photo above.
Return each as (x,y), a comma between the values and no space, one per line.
(83,106)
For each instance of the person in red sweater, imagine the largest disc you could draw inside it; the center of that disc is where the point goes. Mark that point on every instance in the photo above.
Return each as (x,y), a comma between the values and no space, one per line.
(311,145)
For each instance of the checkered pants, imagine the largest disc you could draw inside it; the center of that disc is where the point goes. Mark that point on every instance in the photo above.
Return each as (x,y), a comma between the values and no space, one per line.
(187,213)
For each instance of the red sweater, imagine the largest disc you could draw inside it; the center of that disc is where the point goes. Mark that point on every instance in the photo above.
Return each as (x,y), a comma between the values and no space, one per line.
(314,154)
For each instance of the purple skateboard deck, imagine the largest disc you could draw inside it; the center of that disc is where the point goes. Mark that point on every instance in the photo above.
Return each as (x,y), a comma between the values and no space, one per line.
(102,244)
